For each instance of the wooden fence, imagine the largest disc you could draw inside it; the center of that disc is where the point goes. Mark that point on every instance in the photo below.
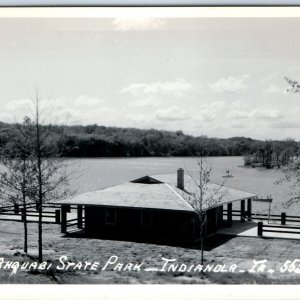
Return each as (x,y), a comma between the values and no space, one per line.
(79,223)
(261,228)
(282,218)
(18,213)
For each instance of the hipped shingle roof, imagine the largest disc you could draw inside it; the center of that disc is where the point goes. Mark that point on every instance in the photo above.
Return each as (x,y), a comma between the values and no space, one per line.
(159,192)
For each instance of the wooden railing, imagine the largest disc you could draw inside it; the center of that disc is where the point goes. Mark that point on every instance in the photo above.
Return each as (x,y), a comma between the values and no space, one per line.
(76,222)
(261,228)
(50,214)
(283,218)
(53,215)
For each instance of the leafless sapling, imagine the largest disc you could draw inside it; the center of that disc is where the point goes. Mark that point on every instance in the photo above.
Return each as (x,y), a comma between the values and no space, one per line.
(16,176)
(50,170)
(204,196)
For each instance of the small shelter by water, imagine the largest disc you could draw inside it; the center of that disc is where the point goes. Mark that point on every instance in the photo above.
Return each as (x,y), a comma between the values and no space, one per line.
(156,208)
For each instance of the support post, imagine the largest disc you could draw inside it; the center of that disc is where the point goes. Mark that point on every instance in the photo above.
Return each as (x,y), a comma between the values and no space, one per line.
(249,209)
(260,229)
(221,217)
(57,216)
(229,214)
(283,218)
(64,209)
(79,216)
(242,211)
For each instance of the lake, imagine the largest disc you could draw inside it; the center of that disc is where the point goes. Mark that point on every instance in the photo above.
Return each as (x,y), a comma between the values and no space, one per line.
(97,173)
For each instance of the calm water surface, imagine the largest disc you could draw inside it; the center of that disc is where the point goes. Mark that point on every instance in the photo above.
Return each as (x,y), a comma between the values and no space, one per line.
(101,172)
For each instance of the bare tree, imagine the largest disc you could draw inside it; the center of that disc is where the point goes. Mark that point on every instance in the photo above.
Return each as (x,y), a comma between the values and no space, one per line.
(291,170)
(16,177)
(205,195)
(51,174)
(291,175)
(34,169)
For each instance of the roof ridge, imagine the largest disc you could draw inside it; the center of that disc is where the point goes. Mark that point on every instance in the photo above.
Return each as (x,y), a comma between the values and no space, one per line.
(180,197)
(164,174)
(233,188)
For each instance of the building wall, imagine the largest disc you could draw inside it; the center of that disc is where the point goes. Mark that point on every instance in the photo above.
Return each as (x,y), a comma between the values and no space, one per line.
(220,221)
(150,225)
(147,225)
(214,221)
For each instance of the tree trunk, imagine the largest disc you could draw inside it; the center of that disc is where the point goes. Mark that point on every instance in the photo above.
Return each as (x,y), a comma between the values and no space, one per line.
(25,228)
(40,230)
(25,236)
(202,243)
(202,251)
(40,184)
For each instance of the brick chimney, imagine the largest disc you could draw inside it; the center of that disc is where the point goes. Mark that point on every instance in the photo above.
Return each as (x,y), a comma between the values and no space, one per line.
(180,178)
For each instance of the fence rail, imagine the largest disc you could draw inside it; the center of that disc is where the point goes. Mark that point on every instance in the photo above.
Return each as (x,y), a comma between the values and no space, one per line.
(18,213)
(261,228)
(282,218)
(50,214)
(75,222)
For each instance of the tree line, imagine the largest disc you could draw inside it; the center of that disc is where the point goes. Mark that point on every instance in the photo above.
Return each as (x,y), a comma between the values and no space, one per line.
(101,141)
(272,154)
(279,154)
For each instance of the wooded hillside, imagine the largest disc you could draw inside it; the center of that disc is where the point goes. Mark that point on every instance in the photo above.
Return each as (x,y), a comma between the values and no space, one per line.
(101,141)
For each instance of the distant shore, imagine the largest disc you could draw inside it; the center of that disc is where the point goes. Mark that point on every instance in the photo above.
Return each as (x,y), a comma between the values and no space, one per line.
(100,141)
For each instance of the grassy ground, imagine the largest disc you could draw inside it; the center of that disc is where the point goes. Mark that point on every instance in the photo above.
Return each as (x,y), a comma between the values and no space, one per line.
(224,250)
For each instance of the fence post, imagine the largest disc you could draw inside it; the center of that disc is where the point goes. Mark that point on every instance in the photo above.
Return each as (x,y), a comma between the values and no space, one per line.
(249,209)
(79,216)
(64,210)
(260,229)
(283,218)
(229,214)
(57,216)
(242,211)
(16,208)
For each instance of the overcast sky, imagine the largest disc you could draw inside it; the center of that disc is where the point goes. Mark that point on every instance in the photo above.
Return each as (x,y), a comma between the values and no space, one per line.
(213,76)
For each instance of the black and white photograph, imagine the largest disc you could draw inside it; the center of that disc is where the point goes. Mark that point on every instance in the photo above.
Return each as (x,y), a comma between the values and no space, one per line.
(150,146)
